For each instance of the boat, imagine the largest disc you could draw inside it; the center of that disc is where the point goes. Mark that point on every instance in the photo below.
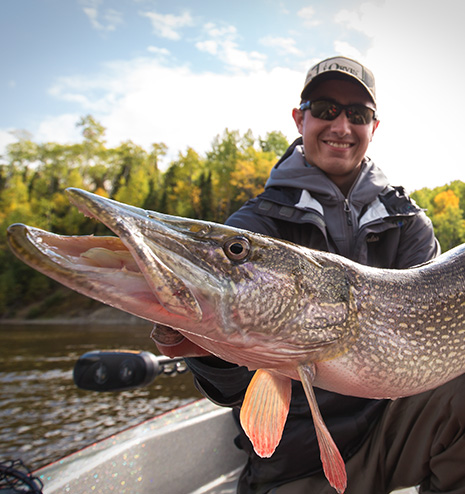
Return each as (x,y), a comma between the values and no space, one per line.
(189,450)
(186,451)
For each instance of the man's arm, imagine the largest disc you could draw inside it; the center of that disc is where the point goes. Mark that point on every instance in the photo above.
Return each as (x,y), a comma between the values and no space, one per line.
(418,243)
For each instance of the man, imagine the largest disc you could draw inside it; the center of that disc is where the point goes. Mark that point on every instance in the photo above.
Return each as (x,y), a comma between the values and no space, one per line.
(326,194)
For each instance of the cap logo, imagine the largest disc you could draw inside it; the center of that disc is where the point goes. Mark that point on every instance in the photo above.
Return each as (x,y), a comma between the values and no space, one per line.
(342,65)
(352,69)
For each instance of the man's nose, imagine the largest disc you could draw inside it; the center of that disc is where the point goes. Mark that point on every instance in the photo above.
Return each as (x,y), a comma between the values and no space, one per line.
(341,125)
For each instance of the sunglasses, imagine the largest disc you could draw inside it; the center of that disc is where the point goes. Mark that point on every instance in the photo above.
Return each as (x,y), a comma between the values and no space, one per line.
(329,110)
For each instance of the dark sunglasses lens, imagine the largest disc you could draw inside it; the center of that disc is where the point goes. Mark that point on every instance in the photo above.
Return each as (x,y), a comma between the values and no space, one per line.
(359,114)
(327,110)
(324,110)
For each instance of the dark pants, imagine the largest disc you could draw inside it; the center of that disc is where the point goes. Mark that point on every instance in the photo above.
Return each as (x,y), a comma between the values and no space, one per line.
(420,440)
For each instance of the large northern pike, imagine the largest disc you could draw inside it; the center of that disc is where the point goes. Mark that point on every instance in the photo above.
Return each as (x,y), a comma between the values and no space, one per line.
(285,310)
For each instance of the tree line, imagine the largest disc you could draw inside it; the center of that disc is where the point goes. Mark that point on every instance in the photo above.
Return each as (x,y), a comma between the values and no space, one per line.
(445,206)
(33,178)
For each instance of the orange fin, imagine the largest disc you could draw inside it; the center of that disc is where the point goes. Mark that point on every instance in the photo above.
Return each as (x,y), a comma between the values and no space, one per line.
(264,410)
(333,464)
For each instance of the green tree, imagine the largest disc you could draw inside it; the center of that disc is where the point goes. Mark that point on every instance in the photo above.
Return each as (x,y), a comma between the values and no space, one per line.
(205,184)
(222,161)
(33,179)
(250,175)
(181,185)
(131,185)
(153,199)
(274,142)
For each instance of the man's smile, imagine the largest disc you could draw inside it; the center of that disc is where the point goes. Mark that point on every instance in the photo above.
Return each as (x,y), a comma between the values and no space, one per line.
(340,145)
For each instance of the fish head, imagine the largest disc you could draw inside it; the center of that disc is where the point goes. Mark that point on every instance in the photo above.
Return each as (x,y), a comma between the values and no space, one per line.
(216,284)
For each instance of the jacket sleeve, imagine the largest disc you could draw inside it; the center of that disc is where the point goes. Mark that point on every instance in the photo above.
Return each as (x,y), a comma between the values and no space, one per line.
(222,382)
(247,219)
(417,243)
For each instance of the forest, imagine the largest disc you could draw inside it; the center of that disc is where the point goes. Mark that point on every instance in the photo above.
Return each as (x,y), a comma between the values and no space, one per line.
(33,178)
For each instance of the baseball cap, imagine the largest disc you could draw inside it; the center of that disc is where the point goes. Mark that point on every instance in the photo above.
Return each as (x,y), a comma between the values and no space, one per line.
(339,67)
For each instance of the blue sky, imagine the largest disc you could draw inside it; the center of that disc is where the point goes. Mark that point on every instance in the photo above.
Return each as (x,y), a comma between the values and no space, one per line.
(180,72)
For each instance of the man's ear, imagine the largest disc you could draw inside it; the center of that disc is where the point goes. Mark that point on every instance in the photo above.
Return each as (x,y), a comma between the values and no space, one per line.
(375,126)
(298,116)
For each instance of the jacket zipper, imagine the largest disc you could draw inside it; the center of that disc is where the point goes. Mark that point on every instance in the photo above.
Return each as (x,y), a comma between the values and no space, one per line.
(348,212)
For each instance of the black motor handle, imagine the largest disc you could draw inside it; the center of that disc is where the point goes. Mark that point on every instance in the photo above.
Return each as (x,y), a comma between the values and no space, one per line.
(119,370)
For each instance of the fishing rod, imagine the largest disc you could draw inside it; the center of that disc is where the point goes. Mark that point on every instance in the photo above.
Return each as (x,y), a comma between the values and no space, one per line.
(121,370)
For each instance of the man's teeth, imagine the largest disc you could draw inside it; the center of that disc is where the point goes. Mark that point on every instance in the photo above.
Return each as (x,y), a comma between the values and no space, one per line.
(339,144)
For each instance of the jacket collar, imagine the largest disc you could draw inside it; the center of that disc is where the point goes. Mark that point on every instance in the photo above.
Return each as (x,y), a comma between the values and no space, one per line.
(296,173)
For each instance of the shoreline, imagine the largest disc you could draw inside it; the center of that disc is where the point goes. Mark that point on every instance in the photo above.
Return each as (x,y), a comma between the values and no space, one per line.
(102,316)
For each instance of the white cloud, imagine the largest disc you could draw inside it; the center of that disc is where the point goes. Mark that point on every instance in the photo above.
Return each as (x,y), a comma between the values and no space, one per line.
(346,49)
(220,32)
(307,14)
(209,46)
(169,25)
(6,137)
(163,52)
(60,129)
(240,59)
(357,19)
(416,56)
(222,43)
(106,21)
(283,8)
(183,109)
(154,103)
(112,18)
(284,45)
(95,93)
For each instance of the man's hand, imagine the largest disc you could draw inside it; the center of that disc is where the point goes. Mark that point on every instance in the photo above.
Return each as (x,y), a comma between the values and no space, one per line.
(173,344)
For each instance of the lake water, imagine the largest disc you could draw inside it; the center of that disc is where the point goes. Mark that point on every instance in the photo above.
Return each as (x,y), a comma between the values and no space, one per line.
(43,416)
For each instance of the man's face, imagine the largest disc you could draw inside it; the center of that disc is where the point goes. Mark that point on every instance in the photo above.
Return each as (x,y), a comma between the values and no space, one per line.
(336,146)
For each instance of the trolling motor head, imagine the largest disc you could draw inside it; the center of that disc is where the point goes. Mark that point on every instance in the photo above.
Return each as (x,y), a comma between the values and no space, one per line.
(120,370)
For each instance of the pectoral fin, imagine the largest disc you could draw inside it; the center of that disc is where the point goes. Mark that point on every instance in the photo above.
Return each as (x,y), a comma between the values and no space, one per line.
(264,410)
(333,464)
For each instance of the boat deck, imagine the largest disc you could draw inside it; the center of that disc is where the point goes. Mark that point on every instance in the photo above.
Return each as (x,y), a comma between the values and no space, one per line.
(177,453)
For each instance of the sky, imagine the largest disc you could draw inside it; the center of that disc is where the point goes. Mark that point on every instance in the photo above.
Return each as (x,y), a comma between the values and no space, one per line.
(182,71)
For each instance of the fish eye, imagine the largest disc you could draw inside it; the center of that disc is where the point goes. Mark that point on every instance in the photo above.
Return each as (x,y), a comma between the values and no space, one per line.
(237,248)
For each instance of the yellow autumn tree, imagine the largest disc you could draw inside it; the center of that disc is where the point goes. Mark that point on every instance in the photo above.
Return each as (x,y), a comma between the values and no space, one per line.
(250,175)
(446,199)
(448,221)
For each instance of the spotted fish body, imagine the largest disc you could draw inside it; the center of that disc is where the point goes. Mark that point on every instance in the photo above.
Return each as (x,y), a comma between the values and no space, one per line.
(275,307)
(412,329)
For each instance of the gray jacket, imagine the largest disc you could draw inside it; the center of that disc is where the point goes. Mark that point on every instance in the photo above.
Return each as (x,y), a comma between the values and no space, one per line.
(377,225)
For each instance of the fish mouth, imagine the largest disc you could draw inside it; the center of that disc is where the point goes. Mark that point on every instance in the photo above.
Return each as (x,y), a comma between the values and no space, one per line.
(149,269)
(171,252)
(99,267)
